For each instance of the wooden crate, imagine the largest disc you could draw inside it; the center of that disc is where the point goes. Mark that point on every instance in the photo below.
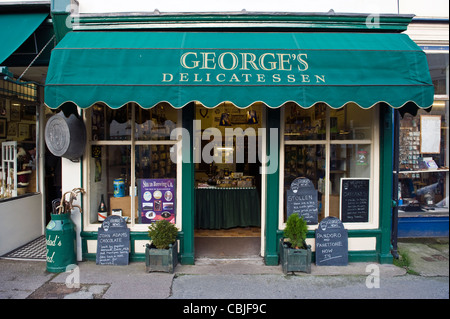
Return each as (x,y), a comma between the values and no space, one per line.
(123,203)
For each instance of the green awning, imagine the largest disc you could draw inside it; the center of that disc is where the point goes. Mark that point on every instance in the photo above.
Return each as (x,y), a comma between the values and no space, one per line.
(242,68)
(15,29)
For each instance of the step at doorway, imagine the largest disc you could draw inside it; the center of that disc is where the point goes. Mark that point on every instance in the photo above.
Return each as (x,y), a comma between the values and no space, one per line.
(235,242)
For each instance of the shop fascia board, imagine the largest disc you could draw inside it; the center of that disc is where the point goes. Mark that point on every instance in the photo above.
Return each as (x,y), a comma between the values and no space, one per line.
(301,21)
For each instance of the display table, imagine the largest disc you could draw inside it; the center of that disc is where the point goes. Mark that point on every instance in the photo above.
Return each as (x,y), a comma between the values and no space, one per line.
(222,208)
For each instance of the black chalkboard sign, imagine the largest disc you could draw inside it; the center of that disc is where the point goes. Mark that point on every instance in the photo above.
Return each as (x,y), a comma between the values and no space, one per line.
(331,243)
(301,199)
(355,200)
(113,242)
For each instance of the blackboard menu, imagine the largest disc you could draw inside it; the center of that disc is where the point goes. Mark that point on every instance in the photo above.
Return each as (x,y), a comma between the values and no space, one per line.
(301,199)
(156,200)
(331,243)
(113,242)
(355,200)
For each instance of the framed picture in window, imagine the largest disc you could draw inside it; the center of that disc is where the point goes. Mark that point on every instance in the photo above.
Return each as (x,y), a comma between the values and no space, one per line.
(2,128)
(24,131)
(3,110)
(12,129)
(15,112)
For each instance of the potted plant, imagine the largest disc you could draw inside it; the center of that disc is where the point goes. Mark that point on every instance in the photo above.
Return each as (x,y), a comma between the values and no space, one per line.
(295,255)
(162,253)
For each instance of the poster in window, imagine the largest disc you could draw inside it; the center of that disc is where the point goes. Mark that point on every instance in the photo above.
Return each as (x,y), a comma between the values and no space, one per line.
(156,200)
(430,134)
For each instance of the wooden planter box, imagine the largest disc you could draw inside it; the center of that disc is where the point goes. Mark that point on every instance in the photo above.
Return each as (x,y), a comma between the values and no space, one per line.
(161,259)
(292,259)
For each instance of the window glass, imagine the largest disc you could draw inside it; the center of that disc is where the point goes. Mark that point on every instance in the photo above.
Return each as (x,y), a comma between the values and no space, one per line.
(350,123)
(109,166)
(153,161)
(425,188)
(109,124)
(438,64)
(305,161)
(127,145)
(340,147)
(346,161)
(305,124)
(18,147)
(155,123)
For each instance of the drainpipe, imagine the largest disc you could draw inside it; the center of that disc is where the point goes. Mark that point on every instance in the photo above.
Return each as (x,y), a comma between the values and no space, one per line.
(395,184)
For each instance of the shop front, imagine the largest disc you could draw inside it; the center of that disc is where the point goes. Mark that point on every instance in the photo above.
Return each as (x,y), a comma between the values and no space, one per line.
(25,44)
(210,129)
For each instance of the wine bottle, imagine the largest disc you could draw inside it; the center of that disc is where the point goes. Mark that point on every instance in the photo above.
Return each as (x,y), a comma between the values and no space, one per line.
(102,211)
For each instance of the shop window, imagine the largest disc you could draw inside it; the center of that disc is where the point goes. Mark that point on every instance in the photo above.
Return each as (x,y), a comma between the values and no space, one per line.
(350,123)
(326,146)
(423,143)
(18,144)
(127,145)
(438,64)
(423,176)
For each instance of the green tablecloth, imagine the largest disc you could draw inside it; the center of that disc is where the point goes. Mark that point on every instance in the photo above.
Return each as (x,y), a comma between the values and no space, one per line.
(218,208)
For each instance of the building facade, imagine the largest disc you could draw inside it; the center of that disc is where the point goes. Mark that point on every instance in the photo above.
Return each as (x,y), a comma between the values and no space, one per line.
(223,108)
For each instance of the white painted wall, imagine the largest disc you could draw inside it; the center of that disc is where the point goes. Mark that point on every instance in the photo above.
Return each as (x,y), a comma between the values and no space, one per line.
(20,222)
(71,178)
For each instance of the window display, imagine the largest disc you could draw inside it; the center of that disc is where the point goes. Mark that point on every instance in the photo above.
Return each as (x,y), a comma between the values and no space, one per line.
(305,124)
(423,174)
(340,147)
(350,123)
(18,148)
(126,146)
(423,145)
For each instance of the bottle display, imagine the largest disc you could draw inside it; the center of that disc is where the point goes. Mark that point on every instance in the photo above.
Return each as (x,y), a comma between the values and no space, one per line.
(102,211)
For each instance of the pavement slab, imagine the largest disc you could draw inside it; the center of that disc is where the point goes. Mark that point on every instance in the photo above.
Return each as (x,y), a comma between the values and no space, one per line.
(19,279)
(429,260)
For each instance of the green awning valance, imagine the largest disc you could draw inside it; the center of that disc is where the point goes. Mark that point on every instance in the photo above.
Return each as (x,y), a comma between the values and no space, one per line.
(15,29)
(242,68)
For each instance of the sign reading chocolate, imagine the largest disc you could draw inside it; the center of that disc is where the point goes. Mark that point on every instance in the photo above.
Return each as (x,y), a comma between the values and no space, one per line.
(113,242)
(240,67)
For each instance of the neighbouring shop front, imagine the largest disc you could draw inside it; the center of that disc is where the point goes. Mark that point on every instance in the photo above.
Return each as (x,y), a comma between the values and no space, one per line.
(423,189)
(26,42)
(223,122)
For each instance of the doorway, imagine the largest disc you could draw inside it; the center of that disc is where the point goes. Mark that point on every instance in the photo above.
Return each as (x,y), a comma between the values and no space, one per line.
(227,182)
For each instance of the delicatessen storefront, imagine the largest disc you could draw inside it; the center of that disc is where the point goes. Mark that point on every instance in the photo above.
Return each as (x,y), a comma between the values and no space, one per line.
(209,130)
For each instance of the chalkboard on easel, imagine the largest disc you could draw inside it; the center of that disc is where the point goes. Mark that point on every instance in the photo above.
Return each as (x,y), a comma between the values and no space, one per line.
(355,200)
(113,242)
(301,199)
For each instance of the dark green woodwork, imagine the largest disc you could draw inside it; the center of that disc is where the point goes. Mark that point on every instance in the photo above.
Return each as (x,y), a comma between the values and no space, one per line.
(271,253)
(253,20)
(187,190)
(386,167)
